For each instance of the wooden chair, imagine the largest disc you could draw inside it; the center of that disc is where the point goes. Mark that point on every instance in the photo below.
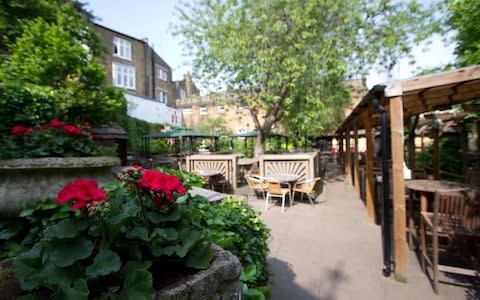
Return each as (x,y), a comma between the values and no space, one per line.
(275,190)
(256,183)
(218,181)
(455,216)
(205,179)
(308,187)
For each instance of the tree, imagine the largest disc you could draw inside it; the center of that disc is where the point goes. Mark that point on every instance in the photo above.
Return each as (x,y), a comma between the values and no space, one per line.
(463,18)
(287,59)
(57,54)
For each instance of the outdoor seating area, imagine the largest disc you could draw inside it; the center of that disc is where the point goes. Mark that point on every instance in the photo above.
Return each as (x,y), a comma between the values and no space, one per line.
(406,204)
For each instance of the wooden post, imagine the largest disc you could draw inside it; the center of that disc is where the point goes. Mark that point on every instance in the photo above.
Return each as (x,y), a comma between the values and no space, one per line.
(369,180)
(348,158)
(399,221)
(436,153)
(340,149)
(356,163)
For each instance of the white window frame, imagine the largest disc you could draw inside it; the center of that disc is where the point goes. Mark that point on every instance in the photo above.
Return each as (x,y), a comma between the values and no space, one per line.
(182,93)
(161,95)
(221,108)
(187,111)
(123,76)
(161,73)
(203,110)
(122,48)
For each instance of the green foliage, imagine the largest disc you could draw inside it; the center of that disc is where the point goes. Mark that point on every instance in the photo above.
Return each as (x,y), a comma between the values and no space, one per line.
(20,232)
(111,253)
(463,19)
(216,125)
(450,161)
(159,146)
(38,105)
(49,142)
(236,227)
(287,59)
(52,55)
(135,129)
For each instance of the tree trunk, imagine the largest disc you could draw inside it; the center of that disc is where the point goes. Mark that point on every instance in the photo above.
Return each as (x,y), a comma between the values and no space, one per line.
(259,143)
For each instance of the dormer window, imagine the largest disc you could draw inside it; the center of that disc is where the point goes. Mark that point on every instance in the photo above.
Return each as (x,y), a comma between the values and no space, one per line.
(122,48)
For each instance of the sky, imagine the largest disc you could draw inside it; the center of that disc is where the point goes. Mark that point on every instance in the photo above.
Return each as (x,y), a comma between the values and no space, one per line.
(153,19)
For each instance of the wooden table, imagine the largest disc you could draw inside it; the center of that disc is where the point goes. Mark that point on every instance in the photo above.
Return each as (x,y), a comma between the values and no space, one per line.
(426,188)
(288,179)
(208,176)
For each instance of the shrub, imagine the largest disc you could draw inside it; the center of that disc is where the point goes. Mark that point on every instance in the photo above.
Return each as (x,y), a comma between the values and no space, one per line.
(29,105)
(55,139)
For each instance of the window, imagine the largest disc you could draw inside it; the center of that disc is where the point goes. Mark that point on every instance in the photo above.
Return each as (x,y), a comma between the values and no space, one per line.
(161,73)
(203,110)
(122,48)
(123,76)
(161,95)
(221,109)
(182,93)
(187,111)
(174,117)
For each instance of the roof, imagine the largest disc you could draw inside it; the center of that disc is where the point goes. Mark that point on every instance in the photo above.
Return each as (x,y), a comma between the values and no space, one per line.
(253,133)
(112,132)
(420,94)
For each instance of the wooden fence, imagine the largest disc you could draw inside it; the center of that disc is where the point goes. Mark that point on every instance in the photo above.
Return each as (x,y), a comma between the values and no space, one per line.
(305,165)
(227,164)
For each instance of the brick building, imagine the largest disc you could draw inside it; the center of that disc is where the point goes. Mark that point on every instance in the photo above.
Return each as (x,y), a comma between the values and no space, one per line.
(135,66)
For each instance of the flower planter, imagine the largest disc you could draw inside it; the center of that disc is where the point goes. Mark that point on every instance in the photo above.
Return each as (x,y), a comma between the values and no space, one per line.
(220,281)
(28,179)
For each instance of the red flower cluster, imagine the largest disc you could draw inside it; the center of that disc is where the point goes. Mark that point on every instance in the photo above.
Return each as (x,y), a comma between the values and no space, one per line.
(162,186)
(19,130)
(82,192)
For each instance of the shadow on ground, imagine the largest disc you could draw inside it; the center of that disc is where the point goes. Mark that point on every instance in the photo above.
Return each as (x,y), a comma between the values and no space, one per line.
(285,286)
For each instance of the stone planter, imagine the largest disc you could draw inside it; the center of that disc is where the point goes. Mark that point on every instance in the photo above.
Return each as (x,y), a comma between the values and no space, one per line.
(220,281)
(28,179)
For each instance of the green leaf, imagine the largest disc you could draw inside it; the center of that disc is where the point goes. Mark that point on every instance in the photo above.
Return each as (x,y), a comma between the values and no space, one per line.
(139,233)
(182,199)
(249,273)
(138,282)
(168,233)
(77,291)
(65,252)
(104,263)
(33,297)
(26,267)
(11,230)
(158,218)
(200,257)
(66,229)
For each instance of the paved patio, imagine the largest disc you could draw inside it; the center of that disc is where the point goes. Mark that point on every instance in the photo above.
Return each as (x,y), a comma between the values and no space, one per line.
(330,251)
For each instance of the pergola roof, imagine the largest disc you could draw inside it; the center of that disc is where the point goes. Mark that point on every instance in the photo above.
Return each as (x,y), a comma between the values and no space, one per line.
(253,133)
(420,94)
(178,133)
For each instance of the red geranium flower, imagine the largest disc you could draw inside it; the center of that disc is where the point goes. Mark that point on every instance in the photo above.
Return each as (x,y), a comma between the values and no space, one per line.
(55,123)
(20,130)
(82,192)
(162,185)
(72,130)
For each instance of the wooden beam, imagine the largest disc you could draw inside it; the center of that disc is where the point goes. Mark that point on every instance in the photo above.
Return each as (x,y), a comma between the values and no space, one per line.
(369,180)
(436,153)
(399,216)
(356,163)
(348,158)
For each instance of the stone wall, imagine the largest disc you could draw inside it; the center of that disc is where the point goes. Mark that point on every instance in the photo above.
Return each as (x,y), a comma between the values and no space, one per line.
(219,282)
(27,180)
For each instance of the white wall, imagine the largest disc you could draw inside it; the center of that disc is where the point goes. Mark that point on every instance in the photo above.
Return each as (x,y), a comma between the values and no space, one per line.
(152,111)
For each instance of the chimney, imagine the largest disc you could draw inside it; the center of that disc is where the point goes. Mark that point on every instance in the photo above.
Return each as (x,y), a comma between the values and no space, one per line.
(188,84)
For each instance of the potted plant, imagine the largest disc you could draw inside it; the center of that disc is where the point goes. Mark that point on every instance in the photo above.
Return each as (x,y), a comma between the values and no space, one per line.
(125,241)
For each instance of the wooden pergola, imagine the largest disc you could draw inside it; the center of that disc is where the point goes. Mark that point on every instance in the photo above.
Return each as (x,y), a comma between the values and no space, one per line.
(400,100)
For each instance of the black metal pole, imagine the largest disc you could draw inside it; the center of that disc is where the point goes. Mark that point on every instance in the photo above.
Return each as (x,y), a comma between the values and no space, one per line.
(386,203)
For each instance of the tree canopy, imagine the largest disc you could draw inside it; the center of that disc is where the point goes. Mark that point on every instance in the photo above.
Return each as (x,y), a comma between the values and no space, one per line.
(464,16)
(51,53)
(287,59)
